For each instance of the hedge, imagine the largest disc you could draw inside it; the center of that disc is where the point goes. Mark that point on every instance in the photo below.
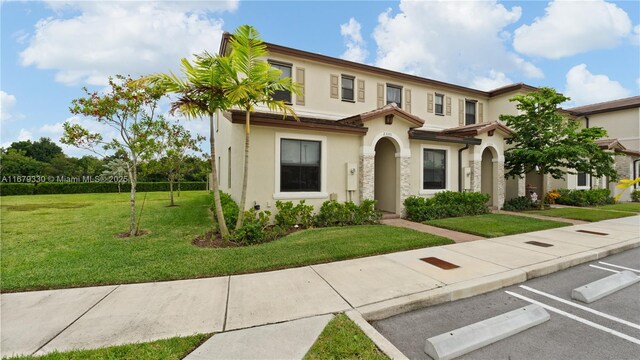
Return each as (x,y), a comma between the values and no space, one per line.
(92,187)
(446,204)
(584,197)
(16,189)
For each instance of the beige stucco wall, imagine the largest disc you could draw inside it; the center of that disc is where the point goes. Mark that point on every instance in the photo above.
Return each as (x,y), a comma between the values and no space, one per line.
(337,150)
(623,125)
(500,105)
(319,103)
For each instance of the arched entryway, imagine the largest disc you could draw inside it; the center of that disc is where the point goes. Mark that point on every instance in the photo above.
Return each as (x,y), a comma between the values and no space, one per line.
(488,182)
(386,176)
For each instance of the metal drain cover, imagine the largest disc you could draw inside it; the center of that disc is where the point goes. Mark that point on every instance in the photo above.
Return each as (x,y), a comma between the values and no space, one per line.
(592,232)
(538,243)
(440,263)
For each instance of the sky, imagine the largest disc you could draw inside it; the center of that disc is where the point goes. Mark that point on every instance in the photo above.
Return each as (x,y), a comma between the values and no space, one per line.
(588,50)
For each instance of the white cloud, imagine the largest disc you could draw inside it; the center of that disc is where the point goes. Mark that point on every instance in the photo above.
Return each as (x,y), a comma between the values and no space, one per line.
(450,41)
(7,102)
(635,37)
(24,135)
(134,37)
(356,46)
(573,27)
(583,87)
(495,80)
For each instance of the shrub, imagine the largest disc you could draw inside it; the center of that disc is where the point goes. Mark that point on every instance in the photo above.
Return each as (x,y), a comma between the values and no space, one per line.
(255,228)
(288,215)
(16,189)
(584,197)
(110,187)
(230,209)
(519,203)
(333,213)
(551,197)
(446,204)
(635,195)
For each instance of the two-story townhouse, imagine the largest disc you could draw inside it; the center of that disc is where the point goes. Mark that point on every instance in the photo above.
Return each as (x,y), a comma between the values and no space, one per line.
(367,133)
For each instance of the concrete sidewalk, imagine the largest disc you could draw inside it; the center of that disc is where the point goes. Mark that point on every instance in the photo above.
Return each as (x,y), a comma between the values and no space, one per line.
(377,287)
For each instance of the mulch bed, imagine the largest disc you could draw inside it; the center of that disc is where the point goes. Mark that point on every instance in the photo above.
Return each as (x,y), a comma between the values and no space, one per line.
(211,240)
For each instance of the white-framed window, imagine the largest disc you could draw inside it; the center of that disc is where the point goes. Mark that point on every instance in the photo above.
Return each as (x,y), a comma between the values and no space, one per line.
(439,104)
(285,68)
(470,112)
(394,94)
(434,172)
(582,180)
(348,82)
(301,166)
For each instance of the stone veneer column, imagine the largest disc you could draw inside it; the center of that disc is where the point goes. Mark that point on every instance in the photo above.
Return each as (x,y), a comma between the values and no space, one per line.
(367,177)
(522,185)
(502,183)
(405,180)
(476,175)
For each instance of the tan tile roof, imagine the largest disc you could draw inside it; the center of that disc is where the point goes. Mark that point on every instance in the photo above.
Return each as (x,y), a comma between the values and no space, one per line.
(477,129)
(392,108)
(627,103)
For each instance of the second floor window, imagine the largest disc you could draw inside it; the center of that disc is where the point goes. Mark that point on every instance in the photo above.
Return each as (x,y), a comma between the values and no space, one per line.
(470,111)
(286,73)
(394,95)
(347,87)
(439,104)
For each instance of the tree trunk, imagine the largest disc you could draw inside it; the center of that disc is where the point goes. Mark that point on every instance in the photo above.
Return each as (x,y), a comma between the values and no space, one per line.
(543,188)
(245,175)
(132,215)
(171,203)
(222,224)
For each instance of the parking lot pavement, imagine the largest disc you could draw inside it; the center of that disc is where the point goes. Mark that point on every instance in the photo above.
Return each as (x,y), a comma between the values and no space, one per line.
(609,330)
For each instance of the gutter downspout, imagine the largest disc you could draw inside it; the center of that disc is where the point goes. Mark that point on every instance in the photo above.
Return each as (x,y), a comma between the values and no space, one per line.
(466,146)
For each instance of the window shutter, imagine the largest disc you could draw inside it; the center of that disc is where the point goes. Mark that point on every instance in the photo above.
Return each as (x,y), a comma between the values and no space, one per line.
(407,100)
(334,86)
(448,105)
(360,90)
(430,103)
(380,102)
(460,112)
(480,113)
(300,80)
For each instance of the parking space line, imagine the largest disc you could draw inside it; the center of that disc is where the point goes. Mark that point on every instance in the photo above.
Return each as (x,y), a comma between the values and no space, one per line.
(596,312)
(577,318)
(603,268)
(619,267)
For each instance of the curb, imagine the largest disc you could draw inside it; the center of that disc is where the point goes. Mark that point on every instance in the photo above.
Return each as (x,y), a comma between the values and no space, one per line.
(381,342)
(388,308)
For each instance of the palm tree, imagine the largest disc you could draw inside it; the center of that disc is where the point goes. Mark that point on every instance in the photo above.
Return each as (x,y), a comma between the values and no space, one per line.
(201,94)
(249,81)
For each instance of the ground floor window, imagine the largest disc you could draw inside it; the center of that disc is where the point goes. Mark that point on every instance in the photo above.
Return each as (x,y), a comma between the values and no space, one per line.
(434,168)
(583,179)
(299,165)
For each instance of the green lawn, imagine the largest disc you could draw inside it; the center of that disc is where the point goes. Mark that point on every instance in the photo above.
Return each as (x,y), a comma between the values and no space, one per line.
(630,206)
(494,225)
(590,214)
(58,241)
(343,339)
(166,349)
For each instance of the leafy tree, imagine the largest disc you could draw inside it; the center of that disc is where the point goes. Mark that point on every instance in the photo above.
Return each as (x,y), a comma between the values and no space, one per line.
(547,142)
(128,107)
(42,150)
(16,163)
(199,95)
(175,141)
(62,165)
(249,81)
(116,169)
